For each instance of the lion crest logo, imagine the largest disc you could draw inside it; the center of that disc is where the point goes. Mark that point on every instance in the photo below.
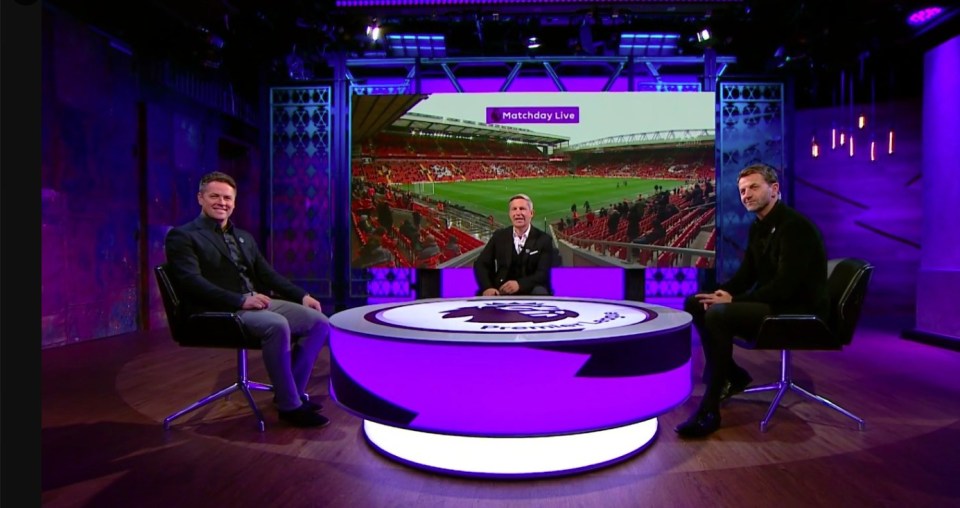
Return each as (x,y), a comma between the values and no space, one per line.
(511,312)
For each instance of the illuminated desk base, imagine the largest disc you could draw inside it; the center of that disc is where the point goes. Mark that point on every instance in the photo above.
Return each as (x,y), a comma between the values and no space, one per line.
(510,387)
(526,456)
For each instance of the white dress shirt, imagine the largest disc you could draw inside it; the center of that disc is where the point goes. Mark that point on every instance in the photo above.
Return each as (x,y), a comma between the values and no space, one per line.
(518,241)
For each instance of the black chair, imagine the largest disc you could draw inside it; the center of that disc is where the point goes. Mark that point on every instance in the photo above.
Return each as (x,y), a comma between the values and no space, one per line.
(210,330)
(847,282)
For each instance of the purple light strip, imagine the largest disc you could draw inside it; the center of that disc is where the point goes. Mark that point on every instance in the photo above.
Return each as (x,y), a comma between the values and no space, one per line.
(921,16)
(402,3)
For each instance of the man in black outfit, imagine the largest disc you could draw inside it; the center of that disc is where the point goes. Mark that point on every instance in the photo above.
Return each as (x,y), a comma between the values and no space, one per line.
(784,271)
(517,259)
(218,267)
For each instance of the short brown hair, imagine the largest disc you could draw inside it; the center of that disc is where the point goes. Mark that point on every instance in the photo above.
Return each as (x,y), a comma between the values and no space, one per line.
(767,172)
(217,176)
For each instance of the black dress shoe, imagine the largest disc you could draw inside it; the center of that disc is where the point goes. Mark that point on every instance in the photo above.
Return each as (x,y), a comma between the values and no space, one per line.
(304,417)
(309,404)
(701,424)
(737,384)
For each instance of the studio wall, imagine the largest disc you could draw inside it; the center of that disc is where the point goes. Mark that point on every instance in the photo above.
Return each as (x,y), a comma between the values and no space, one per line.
(868,209)
(121,159)
(90,186)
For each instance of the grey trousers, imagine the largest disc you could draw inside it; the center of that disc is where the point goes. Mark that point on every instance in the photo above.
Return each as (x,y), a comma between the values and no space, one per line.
(292,336)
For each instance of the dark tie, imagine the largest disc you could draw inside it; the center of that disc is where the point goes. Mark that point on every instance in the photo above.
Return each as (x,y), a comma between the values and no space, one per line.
(238,260)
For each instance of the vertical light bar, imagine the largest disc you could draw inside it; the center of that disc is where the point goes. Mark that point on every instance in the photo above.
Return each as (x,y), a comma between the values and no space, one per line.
(890,142)
(861,121)
(843,138)
(833,138)
(851,145)
(873,150)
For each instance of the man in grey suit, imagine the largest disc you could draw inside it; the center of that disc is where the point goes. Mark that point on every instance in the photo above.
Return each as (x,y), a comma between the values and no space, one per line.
(218,267)
(517,259)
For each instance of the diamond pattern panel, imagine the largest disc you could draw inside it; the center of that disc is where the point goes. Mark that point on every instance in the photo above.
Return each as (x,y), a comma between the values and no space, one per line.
(301,216)
(391,282)
(750,129)
(670,282)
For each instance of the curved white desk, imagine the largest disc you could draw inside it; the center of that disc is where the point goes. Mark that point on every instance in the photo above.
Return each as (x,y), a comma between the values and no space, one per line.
(510,387)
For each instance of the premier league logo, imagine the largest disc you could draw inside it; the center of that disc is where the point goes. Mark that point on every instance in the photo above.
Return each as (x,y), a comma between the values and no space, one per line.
(511,312)
(516,316)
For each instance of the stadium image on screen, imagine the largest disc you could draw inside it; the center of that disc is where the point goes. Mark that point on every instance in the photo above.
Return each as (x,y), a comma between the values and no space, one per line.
(617,178)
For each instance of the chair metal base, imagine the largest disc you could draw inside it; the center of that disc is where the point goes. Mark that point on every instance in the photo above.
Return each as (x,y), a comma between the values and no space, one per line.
(242,385)
(785,384)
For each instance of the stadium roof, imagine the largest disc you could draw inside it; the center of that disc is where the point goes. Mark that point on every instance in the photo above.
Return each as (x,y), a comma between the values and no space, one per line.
(658,138)
(412,122)
(371,114)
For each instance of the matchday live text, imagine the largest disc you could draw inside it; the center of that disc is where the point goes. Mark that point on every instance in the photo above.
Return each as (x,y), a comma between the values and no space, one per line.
(568,114)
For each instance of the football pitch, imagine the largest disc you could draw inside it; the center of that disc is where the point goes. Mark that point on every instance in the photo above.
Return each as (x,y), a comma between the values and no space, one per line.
(552,197)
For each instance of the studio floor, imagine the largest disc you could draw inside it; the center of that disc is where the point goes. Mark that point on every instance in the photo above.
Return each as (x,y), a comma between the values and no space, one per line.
(103,442)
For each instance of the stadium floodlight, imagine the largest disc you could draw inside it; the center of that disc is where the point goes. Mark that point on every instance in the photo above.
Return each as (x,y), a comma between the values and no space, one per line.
(416,45)
(649,44)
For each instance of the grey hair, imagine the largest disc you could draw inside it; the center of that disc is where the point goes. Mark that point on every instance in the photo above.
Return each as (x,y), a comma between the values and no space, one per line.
(523,197)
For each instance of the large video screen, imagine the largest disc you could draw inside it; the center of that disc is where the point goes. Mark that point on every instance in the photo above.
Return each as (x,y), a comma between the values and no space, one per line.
(622,179)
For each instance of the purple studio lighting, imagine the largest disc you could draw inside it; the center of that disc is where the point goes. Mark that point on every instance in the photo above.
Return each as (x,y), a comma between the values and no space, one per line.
(924,15)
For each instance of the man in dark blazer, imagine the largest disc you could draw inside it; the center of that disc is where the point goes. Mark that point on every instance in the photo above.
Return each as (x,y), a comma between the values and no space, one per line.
(517,259)
(217,266)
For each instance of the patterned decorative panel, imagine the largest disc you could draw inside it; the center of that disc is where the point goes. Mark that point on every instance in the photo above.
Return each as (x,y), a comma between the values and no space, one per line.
(750,128)
(670,282)
(390,282)
(382,89)
(301,215)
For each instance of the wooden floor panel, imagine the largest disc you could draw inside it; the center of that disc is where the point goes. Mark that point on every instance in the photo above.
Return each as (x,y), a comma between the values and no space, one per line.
(103,443)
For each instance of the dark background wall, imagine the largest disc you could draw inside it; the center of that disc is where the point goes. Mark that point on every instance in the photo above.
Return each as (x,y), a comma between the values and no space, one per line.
(122,156)
(125,142)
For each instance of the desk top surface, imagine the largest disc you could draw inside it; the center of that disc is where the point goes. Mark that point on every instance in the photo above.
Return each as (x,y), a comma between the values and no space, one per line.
(505,320)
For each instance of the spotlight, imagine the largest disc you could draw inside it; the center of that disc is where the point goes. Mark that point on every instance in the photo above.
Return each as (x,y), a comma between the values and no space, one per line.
(533,43)
(373,31)
(704,35)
